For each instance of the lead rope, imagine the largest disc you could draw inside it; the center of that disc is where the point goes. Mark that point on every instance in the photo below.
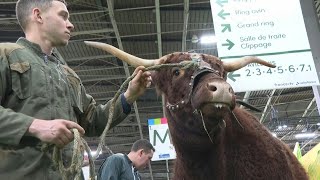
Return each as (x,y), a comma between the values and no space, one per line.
(236,119)
(80,145)
(205,128)
(223,121)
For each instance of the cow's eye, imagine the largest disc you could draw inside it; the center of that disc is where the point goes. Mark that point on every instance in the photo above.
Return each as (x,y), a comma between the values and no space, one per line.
(176,72)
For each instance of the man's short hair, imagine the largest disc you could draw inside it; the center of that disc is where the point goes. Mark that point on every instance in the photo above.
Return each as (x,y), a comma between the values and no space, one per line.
(24,9)
(142,144)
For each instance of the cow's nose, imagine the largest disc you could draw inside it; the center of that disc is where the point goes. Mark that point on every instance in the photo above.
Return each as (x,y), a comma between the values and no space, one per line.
(221,92)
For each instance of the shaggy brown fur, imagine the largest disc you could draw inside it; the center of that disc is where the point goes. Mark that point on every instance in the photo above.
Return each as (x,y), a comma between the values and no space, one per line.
(242,150)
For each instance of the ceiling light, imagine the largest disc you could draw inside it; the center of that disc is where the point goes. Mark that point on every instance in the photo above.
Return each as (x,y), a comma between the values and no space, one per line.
(305,135)
(283,126)
(93,153)
(208,39)
(194,39)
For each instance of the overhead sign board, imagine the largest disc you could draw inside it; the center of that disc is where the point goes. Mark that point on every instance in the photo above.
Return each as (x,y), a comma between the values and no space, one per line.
(262,28)
(159,136)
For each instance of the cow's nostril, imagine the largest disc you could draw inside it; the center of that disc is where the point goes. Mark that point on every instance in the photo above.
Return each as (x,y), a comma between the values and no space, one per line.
(212,88)
(230,90)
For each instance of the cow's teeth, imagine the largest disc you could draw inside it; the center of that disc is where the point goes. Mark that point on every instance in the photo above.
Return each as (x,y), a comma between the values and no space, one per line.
(219,105)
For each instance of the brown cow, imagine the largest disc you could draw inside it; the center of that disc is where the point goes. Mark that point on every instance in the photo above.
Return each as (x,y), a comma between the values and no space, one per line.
(212,137)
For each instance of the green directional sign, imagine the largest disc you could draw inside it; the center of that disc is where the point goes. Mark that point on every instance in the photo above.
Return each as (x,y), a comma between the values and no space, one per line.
(232,76)
(226,27)
(222,14)
(229,43)
(221,2)
(261,28)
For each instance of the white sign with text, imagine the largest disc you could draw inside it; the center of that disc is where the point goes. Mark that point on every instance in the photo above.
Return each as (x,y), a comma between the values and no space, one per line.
(159,136)
(262,28)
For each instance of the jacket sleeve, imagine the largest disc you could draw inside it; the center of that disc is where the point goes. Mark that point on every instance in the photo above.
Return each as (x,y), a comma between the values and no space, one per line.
(95,117)
(13,125)
(92,117)
(110,169)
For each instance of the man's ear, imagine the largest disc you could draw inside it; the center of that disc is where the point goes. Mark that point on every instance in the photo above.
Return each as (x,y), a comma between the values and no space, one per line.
(36,15)
(140,152)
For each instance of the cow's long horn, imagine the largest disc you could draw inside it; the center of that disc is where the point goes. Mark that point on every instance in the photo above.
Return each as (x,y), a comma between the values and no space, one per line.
(130,59)
(240,63)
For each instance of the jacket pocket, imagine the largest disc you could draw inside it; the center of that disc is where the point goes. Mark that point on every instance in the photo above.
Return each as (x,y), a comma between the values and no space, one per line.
(75,84)
(21,79)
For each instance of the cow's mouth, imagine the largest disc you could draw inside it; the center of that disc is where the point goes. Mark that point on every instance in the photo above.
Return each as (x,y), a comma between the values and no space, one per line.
(216,105)
(221,105)
(215,109)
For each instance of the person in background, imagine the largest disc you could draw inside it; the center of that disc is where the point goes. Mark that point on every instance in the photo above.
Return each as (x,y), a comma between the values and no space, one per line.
(42,98)
(125,167)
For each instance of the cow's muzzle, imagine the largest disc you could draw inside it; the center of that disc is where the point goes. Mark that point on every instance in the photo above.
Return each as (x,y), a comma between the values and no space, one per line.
(222,93)
(213,95)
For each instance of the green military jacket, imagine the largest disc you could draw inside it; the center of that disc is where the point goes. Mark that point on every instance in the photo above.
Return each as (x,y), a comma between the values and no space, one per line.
(36,85)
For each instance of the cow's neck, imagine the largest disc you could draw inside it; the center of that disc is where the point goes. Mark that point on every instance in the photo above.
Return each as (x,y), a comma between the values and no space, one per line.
(188,130)
(200,165)
(195,151)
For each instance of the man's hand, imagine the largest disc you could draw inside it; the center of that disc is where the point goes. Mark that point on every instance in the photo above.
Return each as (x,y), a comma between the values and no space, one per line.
(56,131)
(138,84)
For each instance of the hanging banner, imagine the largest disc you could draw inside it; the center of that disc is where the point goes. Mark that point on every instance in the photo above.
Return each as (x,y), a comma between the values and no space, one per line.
(159,136)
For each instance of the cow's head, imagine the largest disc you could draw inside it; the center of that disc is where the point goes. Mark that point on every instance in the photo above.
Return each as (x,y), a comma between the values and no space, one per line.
(199,88)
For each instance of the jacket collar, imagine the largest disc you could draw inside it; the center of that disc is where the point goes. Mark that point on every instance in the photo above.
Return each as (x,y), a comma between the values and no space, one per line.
(33,46)
(130,162)
(37,49)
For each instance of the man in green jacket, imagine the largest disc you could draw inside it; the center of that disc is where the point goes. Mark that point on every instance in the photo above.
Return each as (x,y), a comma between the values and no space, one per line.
(42,99)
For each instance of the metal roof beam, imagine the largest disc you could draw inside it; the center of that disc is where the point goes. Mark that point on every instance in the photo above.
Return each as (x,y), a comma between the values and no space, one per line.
(97,31)
(138,35)
(90,58)
(79,71)
(266,107)
(158,20)
(185,25)
(126,69)
(246,97)
(162,6)
(309,106)
(102,57)
(3,3)
(106,78)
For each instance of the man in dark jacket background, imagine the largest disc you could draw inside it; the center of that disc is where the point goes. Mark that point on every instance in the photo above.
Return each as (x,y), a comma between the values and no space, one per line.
(125,167)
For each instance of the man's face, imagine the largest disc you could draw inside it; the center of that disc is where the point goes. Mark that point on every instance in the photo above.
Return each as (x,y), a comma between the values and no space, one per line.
(144,159)
(56,24)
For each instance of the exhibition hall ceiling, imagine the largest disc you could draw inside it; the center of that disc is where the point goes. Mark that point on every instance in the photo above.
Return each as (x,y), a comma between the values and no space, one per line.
(150,29)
